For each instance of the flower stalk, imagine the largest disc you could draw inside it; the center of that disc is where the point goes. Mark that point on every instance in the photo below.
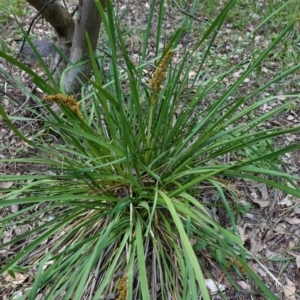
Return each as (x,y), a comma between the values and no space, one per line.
(156,85)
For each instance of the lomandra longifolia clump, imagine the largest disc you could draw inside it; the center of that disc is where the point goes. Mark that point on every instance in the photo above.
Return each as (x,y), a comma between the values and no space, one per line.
(128,201)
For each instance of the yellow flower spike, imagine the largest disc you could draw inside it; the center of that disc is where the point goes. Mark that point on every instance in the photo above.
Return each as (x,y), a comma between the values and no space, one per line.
(122,288)
(159,76)
(66,100)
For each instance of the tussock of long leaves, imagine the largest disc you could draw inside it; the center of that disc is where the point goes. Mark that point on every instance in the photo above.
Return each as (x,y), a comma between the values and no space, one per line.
(119,205)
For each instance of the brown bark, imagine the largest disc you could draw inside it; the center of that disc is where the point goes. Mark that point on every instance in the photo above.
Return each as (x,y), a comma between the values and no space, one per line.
(88,22)
(62,22)
(58,17)
(72,37)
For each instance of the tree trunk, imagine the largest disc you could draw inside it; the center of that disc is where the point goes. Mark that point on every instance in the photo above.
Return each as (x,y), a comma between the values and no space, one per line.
(88,22)
(62,22)
(72,37)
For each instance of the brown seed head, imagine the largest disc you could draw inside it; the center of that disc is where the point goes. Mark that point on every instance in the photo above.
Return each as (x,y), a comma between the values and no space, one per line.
(122,288)
(66,100)
(159,76)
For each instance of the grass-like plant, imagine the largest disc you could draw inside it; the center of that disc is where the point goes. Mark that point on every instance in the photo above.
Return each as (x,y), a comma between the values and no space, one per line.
(117,207)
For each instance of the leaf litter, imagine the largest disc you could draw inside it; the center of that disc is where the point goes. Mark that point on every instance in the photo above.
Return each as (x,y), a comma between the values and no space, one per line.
(270,229)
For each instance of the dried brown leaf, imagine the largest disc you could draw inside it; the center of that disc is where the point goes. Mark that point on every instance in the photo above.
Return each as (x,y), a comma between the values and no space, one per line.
(285,202)
(244,285)
(14,208)
(293,221)
(242,233)
(280,229)
(255,247)
(19,278)
(270,235)
(289,290)
(298,261)
(264,192)
(22,229)
(213,286)
(6,185)
(261,203)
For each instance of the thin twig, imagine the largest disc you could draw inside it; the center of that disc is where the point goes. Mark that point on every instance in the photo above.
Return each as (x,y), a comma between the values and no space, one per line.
(9,95)
(188,14)
(32,22)
(74,11)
